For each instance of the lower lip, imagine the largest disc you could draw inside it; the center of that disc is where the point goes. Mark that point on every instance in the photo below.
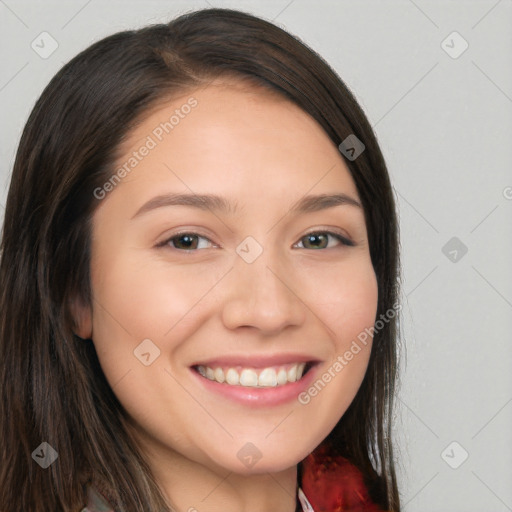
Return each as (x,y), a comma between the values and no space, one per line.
(270,396)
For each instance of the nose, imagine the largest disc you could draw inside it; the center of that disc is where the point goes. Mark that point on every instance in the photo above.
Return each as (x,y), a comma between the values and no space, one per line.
(263,295)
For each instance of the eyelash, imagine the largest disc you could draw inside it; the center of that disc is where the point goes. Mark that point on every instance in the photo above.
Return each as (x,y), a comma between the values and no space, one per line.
(341,238)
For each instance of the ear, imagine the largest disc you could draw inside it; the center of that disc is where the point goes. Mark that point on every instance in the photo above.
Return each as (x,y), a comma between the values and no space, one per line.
(82,319)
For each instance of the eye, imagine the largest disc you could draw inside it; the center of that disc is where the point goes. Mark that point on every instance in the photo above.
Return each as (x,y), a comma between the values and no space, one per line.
(190,241)
(186,241)
(320,240)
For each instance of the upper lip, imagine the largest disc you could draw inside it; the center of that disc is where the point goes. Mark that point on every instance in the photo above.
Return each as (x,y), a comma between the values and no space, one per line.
(256,361)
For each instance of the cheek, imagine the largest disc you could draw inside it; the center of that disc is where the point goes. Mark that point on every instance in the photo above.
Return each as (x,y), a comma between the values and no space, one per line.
(149,300)
(351,316)
(347,300)
(347,307)
(139,301)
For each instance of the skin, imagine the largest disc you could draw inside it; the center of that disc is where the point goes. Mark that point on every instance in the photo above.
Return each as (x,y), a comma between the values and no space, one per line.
(263,153)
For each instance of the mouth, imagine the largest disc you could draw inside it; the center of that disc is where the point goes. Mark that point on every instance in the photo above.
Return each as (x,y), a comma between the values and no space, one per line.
(247,376)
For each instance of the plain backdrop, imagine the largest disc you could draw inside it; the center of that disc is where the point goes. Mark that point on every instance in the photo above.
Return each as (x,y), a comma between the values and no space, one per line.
(435,80)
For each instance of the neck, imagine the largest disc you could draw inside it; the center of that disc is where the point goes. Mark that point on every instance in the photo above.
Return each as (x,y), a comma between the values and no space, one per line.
(205,490)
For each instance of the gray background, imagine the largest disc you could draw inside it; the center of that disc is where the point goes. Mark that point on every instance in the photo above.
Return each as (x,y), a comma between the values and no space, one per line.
(445,127)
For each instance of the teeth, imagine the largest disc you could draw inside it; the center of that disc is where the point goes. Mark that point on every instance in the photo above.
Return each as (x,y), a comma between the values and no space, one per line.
(232,377)
(267,378)
(292,374)
(219,375)
(247,377)
(282,377)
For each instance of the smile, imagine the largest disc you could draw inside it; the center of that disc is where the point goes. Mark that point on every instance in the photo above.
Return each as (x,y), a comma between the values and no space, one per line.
(273,376)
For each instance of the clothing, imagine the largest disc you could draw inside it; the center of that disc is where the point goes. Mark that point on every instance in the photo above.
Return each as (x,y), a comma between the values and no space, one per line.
(333,484)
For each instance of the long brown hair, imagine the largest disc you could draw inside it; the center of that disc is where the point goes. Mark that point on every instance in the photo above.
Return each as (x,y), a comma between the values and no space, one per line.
(52,386)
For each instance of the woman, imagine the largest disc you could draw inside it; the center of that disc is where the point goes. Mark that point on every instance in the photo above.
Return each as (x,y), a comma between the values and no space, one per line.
(175,335)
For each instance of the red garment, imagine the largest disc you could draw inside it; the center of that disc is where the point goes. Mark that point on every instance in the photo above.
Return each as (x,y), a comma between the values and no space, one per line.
(333,484)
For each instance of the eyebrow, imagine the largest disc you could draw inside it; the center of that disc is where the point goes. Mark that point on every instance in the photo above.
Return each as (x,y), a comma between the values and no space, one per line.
(307,204)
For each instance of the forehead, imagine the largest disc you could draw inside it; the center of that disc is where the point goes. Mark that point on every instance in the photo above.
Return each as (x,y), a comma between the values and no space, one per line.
(238,140)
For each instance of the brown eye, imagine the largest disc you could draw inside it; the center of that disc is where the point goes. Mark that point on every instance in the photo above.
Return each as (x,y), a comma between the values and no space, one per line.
(185,241)
(320,240)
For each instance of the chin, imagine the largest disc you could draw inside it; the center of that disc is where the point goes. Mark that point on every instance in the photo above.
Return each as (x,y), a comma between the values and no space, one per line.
(251,461)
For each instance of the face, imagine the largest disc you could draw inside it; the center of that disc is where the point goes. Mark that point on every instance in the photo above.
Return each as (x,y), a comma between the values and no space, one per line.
(258,285)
